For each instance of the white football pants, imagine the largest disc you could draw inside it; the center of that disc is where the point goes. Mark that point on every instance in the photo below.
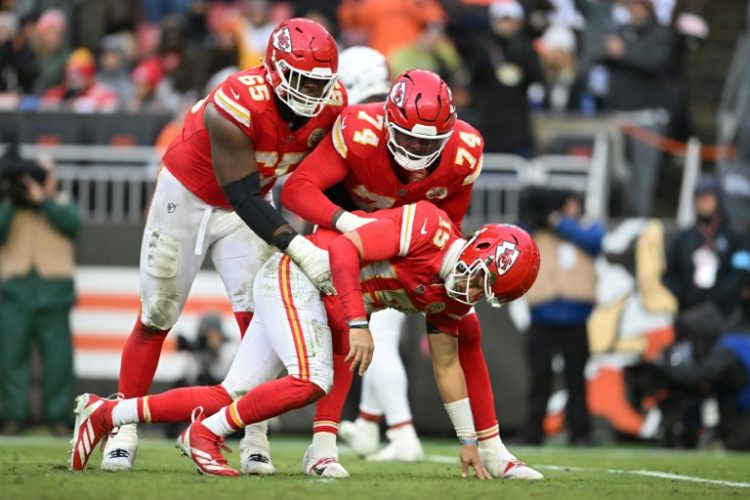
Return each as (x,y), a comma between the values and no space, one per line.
(289,330)
(384,385)
(180,231)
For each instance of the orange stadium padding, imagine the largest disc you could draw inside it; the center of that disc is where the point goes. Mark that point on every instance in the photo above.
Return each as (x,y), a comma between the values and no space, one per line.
(197,305)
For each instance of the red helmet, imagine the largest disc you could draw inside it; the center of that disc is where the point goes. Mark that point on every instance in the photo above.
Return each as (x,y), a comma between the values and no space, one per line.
(302,63)
(419,114)
(508,257)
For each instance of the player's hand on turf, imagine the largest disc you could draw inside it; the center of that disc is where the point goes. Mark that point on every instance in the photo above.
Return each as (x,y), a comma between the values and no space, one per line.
(361,347)
(470,458)
(314,263)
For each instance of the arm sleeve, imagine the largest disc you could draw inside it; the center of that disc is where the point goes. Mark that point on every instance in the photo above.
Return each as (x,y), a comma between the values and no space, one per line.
(303,191)
(379,242)
(589,237)
(63,216)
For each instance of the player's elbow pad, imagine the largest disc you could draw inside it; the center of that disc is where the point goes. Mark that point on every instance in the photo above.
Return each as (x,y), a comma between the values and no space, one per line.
(257,213)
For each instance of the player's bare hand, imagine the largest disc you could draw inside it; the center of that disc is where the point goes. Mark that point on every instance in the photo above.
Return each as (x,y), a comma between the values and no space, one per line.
(470,458)
(361,348)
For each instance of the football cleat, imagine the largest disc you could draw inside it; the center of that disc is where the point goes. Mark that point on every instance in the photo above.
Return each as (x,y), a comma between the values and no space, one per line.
(120,449)
(204,448)
(93,423)
(255,451)
(506,469)
(361,435)
(322,466)
(404,446)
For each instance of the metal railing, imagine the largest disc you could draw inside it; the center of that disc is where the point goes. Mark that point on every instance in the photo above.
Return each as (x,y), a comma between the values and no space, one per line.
(114,185)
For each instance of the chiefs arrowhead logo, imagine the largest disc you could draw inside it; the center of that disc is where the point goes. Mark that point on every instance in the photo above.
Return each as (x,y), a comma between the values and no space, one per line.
(398,94)
(282,40)
(506,255)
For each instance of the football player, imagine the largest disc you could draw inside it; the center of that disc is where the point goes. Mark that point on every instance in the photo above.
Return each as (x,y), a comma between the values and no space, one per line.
(411,258)
(364,73)
(410,148)
(213,195)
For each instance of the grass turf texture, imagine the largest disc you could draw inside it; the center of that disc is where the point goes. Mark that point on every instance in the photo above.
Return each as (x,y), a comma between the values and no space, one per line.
(36,467)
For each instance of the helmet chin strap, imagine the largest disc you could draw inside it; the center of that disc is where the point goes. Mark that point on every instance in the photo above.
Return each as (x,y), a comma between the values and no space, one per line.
(451,257)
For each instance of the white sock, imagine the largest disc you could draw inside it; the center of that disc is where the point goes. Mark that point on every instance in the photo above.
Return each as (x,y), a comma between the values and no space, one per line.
(125,412)
(218,424)
(497,446)
(325,444)
(384,385)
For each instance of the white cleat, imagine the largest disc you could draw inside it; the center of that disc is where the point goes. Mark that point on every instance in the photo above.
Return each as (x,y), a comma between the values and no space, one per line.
(322,466)
(361,435)
(404,446)
(120,449)
(255,453)
(507,469)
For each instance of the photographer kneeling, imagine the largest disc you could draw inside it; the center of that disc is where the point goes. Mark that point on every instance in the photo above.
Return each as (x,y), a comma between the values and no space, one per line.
(37,227)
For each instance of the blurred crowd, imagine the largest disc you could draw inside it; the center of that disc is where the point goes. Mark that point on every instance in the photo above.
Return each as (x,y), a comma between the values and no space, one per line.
(504,59)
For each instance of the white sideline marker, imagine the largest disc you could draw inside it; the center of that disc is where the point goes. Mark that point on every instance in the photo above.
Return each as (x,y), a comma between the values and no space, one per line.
(442,459)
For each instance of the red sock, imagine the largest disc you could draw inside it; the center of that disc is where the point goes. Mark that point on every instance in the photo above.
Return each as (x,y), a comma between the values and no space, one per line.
(329,408)
(477,377)
(370,417)
(271,399)
(140,357)
(177,405)
(243,321)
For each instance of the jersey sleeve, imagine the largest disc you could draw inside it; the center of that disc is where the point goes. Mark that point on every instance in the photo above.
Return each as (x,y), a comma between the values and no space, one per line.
(424,228)
(303,190)
(231,103)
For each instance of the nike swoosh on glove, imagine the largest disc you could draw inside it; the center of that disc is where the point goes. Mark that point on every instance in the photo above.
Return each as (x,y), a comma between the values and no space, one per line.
(313,261)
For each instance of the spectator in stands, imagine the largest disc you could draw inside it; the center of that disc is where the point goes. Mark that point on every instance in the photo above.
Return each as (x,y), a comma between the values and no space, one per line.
(81,92)
(114,65)
(51,50)
(37,227)
(561,89)
(389,24)
(253,31)
(224,51)
(432,50)
(638,54)
(708,264)
(183,59)
(146,78)
(561,301)
(503,68)
(18,66)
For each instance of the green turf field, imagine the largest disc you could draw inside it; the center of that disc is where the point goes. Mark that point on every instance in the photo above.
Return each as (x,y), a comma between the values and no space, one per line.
(35,467)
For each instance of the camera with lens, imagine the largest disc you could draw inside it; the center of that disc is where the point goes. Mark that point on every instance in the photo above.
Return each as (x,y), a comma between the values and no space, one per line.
(13,168)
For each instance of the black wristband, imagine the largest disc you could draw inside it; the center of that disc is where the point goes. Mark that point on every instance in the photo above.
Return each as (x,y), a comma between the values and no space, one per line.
(283,239)
(257,213)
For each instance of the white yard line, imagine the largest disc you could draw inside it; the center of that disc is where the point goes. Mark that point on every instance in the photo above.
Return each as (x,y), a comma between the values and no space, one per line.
(442,459)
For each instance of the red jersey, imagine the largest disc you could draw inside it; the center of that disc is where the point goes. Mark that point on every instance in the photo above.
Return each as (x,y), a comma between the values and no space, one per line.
(414,239)
(356,153)
(246,100)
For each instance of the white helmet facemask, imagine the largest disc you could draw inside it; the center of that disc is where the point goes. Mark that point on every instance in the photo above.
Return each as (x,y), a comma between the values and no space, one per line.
(407,159)
(466,274)
(290,88)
